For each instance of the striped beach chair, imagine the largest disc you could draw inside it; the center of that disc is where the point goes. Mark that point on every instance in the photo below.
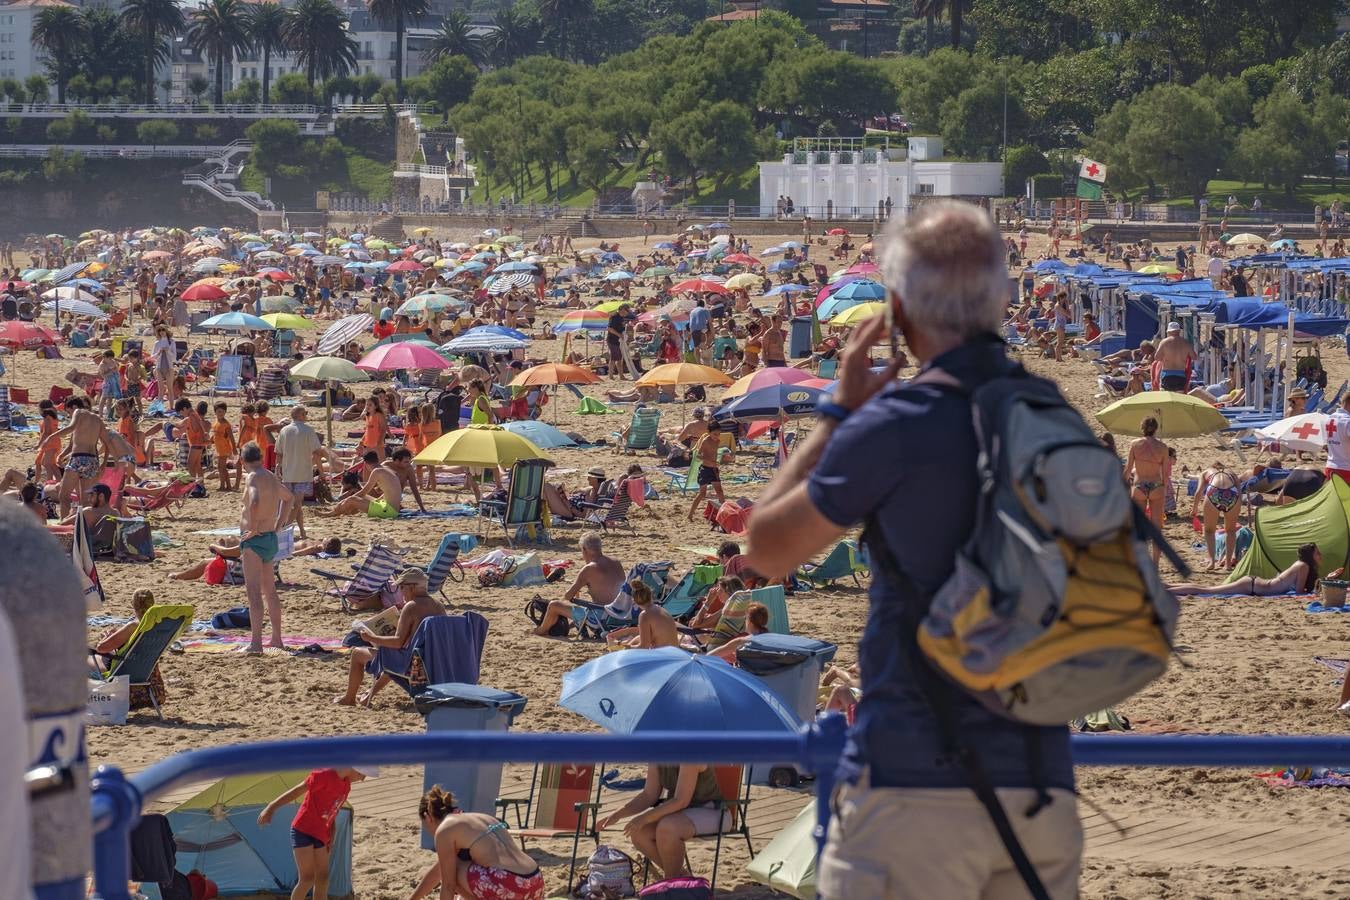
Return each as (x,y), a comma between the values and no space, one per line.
(370,578)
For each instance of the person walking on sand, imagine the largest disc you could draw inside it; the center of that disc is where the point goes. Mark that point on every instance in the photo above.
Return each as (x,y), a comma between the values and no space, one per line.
(1147,471)
(707,453)
(298,449)
(266,507)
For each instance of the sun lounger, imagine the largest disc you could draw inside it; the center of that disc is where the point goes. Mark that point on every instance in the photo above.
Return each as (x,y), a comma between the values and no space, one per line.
(524,505)
(842,562)
(613,514)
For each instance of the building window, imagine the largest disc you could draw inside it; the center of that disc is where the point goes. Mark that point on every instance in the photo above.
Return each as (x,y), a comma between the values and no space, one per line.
(924,187)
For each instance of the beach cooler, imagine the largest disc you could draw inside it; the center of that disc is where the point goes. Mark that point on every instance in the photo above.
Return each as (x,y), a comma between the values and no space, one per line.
(467,707)
(790,665)
(799,339)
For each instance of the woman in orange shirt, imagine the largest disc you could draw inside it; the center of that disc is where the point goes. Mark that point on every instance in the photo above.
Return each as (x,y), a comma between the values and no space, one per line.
(431,430)
(248,431)
(376,431)
(45,463)
(222,439)
(265,435)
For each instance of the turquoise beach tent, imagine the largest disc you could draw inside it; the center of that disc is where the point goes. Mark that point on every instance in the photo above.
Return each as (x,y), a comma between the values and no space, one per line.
(218,835)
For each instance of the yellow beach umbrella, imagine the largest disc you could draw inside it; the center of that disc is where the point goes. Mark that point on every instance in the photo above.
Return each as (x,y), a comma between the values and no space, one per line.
(610,306)
(423,230)
(287,320)
(856,315)
(743,281)
(684,373)
(1245,237)
(1158,269)
(479,447)
(1178,415)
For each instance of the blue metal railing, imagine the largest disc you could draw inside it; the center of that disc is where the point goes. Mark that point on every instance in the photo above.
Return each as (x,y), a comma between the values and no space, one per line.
(118,800)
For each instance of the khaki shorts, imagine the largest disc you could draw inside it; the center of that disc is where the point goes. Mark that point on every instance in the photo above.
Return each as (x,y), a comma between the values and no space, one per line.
(922,843)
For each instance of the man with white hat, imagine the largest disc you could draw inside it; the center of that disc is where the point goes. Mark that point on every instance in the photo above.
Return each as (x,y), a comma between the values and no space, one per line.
(1172,361)
(390,652)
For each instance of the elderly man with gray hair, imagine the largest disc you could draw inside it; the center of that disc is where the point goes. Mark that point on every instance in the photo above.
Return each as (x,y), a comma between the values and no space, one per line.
(901,458)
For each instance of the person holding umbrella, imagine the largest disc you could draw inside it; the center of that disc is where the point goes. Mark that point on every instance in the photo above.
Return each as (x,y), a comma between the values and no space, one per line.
(675,804)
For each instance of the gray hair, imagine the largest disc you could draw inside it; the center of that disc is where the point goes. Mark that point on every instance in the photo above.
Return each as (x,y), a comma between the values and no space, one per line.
(947,265)
(591,541)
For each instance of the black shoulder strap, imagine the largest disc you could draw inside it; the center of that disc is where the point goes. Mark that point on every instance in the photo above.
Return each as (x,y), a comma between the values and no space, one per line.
(938,696)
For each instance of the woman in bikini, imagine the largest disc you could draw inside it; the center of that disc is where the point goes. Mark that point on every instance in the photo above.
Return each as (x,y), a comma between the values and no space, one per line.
(475,854)
(1300,578)
(1222,496)
(1146,469)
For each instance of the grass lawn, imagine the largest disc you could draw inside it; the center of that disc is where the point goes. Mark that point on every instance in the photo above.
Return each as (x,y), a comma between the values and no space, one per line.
(1312,192)
(363,175)
(743,188)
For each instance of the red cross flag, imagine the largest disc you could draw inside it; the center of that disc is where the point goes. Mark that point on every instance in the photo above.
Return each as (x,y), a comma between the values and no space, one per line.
(1091,170)
(1308,432)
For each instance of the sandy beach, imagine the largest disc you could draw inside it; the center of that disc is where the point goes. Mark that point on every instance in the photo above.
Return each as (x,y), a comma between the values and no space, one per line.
(1247,667)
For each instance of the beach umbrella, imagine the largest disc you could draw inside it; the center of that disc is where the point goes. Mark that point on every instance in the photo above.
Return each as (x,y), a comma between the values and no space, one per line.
(684,373)
(424,303)
(21,335)
(572,272)
(73,308)
(582,320)
(405,265)
(70,292)
(773,402)
(743,281)
(1305,433)
(343,331)
(327,369)
(200,291)
(554,373)
(403,355)
(276,275)
(417,338)
(860,289)
(670,689)
(482,343)
(1158,269)
(288,321)
(497,330)
(506,283)
(787,864)
(857,314)
(773,251)
(1285,244)
(619,276)
(236,321)
(792,287)
(266,254)
(34,275)
(514,266)
(783,265)
(699,286)
(1178,415)
(541,434)
(280,304)
(479,447)
(14,284)
(1245,237)
(612,306)
(740,259)
(765,378)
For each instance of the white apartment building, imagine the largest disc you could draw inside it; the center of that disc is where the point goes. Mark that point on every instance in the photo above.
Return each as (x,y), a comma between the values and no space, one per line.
(18,57)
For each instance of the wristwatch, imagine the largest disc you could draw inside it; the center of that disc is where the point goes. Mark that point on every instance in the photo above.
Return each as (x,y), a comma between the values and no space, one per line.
(828,409)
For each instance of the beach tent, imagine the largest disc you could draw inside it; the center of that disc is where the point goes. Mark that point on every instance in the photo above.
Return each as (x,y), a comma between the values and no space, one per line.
(788,863)
(217,834)
(1322,519)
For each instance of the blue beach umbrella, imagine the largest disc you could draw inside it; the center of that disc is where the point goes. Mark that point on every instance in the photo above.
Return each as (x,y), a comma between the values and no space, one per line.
(237,321)
(771,402)
(669,689)
(541,434)
(783,265)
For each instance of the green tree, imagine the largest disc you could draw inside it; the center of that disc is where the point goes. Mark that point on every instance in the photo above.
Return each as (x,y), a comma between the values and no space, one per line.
(1167,135)
(1331,123)
(219,30)
(368,85)
(60,32)
(197,86)
(828,86)
(106,134)
(973,120)
(12,88)
(560,18)
(1032,29)
(397,13)
(455,37)
(80,89)
(1021,163)
(1287,142)
(248,90)
(59,132)
(449,81)
(316,32)
(266,25)
(157,131)
(953,10)
(36,86)
(206,133)
(109,51)
(154,21)
(276,142)
(513,35)
(60,166)
(292,88)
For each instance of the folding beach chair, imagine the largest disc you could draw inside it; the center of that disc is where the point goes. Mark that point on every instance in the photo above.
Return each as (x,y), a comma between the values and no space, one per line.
(735,807)
(827,368)
(229,375)
(524,505)
(444,564)
(684,482)
(564,801)
(731,625)
(612,514)
(684,597)
(594,621)
(443,650)
(161,625)
(842,562)
(171,501)
(642,430)
(370,576)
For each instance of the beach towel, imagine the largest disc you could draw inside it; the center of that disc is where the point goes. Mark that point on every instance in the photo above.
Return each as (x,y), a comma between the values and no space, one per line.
(451,647)
(457,510)
(1338,666)
(592,407)
(82,554)
(1318,607)
(1306,777)
(1289,596)
(238,643)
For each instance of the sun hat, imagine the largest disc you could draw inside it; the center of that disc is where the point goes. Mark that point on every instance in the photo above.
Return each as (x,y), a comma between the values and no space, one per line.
(1173,326)
(412,575)
(596,472)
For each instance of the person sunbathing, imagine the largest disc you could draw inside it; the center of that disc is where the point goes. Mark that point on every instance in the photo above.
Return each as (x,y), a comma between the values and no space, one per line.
(710,611)
(397,651)
(228,549)
(1299,578)
(601,576)
(756,623)
(655,627)
(1142,355)
(117,639)
(388,480)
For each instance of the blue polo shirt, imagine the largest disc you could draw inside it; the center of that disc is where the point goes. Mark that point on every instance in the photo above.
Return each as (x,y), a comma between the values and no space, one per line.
(698,318)
(907,458)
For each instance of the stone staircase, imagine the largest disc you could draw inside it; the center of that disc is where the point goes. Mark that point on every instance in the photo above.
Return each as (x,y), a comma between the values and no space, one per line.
(388,228)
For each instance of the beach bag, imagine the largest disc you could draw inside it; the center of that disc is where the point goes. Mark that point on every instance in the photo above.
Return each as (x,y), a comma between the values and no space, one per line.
(687,887)
(103,537)
(109,701)
(231,619)
(132,541)
(536,609)
(609,874)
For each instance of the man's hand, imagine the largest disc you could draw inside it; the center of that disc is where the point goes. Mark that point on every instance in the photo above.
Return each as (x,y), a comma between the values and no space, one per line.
(857,381)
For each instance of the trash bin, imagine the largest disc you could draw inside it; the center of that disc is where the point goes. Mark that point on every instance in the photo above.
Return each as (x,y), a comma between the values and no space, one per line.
(467,707)
(790,665)
(799,341)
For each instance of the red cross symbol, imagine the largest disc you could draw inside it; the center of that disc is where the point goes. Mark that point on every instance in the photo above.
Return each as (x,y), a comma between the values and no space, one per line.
(1331,429)
(1093,169)
(1306,430)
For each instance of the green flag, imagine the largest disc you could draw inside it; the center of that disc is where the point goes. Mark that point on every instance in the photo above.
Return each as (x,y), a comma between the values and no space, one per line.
(1089,190)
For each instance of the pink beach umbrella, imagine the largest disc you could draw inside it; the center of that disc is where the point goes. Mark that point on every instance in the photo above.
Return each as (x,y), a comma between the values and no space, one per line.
(402,355)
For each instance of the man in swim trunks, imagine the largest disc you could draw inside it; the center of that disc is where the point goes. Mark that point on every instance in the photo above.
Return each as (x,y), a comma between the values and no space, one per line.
(86,431)
(1173,360)
(267,505)
(707,453)
(386,480)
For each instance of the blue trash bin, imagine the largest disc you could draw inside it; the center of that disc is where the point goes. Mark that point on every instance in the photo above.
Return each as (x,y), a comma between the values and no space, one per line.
(799,340)
(790,665)
(467,707)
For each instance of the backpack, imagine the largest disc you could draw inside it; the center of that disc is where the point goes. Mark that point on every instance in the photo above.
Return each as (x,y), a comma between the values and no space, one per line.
(1054,609)
(537,608)
(609,875)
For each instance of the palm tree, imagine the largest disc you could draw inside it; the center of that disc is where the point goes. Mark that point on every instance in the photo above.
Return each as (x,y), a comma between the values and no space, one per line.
(316,32)
(561,14)
(934,9)
(60,32)
(153,20)
(455,39)
(265,24)
(396,13)
(219,29)
(513,35)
